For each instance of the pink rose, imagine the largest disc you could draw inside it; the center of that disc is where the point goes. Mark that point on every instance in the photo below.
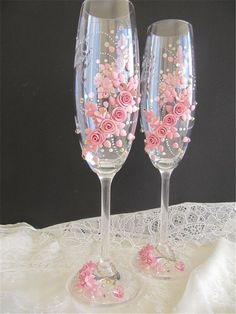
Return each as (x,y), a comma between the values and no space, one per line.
(170,120)
(118,292)
(179,109)
(161,131)
(152,141)
(96,138)
(119,114)
(179,265)
(108,126)
(125,99)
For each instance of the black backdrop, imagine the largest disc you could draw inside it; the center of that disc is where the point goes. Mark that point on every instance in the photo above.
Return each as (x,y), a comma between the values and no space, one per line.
(43,177)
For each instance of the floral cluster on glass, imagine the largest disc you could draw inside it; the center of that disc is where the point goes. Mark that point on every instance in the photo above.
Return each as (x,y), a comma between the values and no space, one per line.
(87,281)
(175,102)
(150,260)
(118,98)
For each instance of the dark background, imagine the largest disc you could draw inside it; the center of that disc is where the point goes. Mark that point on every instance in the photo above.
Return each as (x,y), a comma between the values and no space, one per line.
(43,177)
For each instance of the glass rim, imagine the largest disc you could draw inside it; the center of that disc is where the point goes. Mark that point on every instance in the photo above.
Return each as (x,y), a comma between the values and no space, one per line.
(167,20)
(131,5)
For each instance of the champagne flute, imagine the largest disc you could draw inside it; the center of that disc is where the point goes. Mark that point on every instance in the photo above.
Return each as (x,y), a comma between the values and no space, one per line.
(167,113)
(107,104)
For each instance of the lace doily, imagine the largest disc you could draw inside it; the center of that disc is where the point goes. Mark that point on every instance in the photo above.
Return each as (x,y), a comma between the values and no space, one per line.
(38,257)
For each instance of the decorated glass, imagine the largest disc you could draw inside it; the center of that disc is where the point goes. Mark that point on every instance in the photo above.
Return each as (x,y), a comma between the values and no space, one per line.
(106,112)
(167,112)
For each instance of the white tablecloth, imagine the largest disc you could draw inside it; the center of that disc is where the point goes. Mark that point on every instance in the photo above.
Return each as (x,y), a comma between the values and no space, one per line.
(36,264)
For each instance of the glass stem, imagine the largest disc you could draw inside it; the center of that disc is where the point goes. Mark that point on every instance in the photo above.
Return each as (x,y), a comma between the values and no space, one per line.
(165,185)
(105,216)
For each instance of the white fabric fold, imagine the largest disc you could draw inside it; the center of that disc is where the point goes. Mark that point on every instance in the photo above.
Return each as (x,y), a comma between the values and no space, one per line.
(211,287)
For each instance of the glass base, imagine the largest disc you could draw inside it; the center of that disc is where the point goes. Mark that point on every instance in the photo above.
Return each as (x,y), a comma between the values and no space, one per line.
(159,262)
(97,285)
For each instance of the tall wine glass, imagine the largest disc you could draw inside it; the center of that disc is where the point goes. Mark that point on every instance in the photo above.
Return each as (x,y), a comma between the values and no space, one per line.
(107,104)
(167,113)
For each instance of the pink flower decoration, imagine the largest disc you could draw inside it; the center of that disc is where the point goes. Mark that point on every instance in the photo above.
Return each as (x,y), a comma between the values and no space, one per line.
(179,109)
(106,83)
(131,137)
(131,86)
(124,87)
(145,254)
(175,98)
(170,135)
(86,278)
(119,114)
(96,138)
(118,292)
(168,95)
(147,258)
(119,143)
(123,132)
(91,108)
(107,144)
(125,99)
(170,120)
(108,126)
(119,96)
(169,108)
(114,75)
(179,265)
(152,141)
(161,131)
(186,139)
(175,145)
(105,93)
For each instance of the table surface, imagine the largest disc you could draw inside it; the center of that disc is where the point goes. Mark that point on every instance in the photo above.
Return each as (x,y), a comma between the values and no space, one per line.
(36,263)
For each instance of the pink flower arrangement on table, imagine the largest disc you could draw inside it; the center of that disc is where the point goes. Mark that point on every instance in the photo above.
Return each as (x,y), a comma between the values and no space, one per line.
(118,98)
(175,102)
(148,259)
(86,280)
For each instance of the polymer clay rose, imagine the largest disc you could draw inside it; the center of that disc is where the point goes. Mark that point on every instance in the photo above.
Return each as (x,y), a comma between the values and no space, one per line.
(152,141)
(119,114)
(179,109)
(108,126)
(95,138)
(161,131)
(170,120)
(125,99)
